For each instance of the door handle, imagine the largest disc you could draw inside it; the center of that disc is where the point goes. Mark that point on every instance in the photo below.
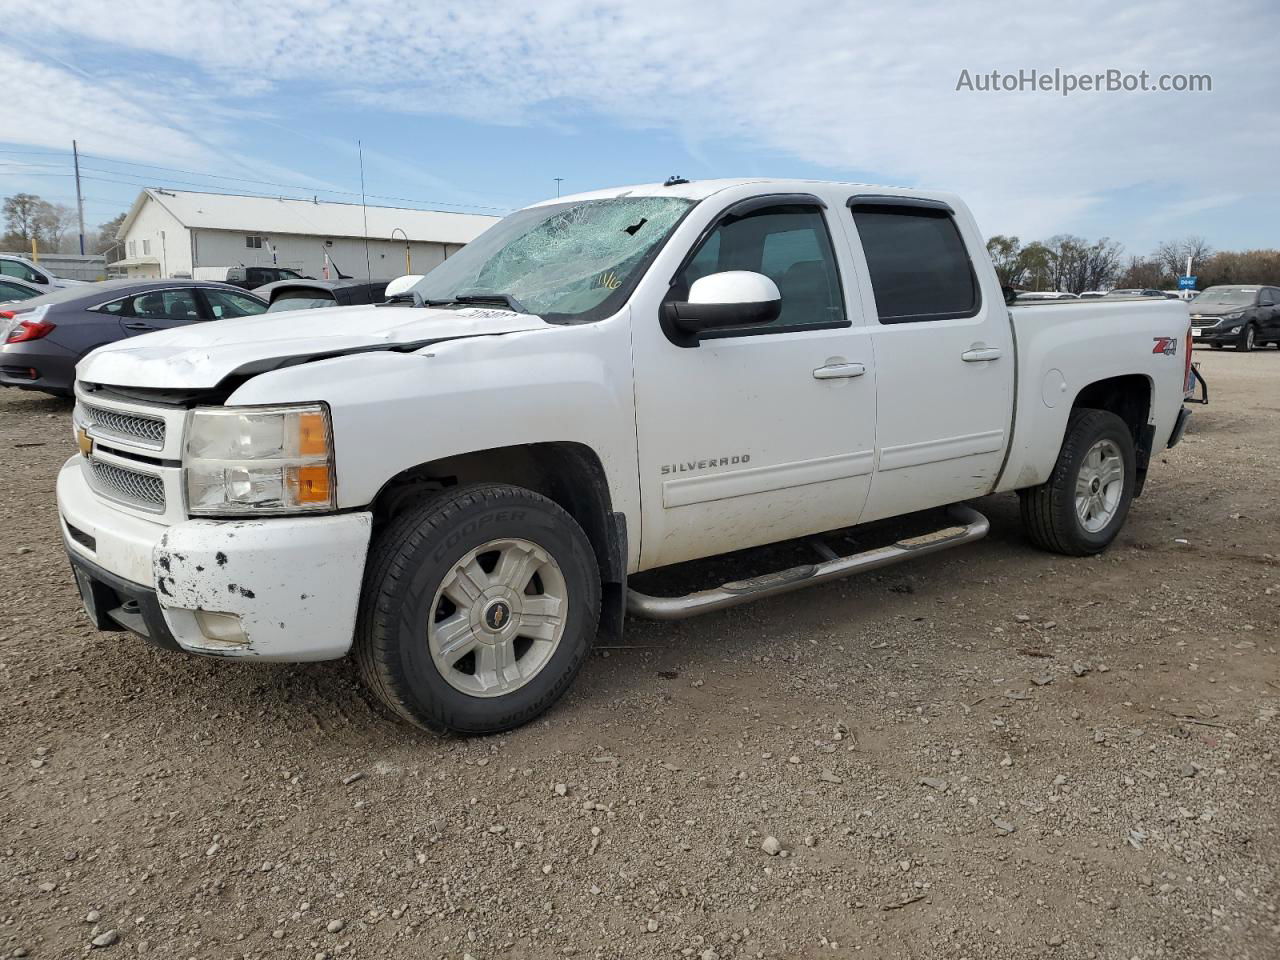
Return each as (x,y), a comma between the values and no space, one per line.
(839,371)
(138,326)
(980,354)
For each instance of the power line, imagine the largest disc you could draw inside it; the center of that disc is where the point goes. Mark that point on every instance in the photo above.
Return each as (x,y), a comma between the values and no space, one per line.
(140,181)
(305,188)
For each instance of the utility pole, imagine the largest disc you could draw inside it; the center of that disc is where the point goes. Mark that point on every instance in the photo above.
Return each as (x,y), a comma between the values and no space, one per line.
(558,180)
(75,152)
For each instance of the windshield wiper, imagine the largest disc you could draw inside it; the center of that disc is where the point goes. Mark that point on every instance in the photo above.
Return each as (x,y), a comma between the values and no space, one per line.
(505,299)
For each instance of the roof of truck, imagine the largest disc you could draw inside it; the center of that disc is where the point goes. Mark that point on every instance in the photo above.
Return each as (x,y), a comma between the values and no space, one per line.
(701,189)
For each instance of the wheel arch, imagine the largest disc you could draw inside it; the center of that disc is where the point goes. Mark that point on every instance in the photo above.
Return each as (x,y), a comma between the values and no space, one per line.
(569,474)
(1129,397)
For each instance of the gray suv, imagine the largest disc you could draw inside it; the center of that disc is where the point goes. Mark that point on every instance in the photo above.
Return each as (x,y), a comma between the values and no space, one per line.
(1243,316)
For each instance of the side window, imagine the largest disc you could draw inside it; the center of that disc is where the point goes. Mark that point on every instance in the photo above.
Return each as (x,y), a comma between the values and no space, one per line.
(1268,297)
(11,291)
(920,270)
(165,305)
(788,244)
(117,308)
(15,268)
(226,305)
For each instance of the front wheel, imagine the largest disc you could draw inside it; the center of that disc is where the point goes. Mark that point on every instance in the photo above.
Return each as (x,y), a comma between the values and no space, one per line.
(1248,338)
(479,607)
(1080,509)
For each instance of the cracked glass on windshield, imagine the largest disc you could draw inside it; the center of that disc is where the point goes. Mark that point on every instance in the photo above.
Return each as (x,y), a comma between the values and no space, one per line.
(561,261)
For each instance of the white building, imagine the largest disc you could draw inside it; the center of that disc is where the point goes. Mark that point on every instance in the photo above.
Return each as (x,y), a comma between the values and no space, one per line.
(170,233)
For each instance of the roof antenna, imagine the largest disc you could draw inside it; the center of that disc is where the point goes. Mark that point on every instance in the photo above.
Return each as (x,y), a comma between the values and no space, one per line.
(364,212)
(674,180)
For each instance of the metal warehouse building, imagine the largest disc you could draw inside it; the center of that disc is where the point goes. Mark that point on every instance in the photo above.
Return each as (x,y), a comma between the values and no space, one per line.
(170,233)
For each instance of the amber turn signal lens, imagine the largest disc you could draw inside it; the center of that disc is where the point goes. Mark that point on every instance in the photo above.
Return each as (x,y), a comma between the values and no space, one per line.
(313,438)
(311,484)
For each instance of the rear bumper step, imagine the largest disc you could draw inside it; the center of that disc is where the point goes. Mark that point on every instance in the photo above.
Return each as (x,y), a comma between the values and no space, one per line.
(971,526)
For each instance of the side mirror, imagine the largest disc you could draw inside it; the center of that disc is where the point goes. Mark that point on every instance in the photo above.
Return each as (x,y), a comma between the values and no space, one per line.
(1010,294)
(734,298)
(402,285)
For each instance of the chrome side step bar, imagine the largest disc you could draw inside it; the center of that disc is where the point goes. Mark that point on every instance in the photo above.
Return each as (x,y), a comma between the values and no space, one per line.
(970,526)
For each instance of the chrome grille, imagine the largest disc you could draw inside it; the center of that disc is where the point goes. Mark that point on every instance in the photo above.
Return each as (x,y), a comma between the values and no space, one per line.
(142,490)
(148,431)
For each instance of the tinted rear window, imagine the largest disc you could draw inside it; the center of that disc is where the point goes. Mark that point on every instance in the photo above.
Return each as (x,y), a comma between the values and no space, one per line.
(919,266)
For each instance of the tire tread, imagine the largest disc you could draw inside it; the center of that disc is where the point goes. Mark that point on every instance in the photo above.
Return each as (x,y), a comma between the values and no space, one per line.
(1040,506)
(374,648)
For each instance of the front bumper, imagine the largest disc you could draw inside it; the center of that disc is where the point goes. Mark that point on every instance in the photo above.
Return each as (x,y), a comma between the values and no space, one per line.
(1208,336)
(292,584)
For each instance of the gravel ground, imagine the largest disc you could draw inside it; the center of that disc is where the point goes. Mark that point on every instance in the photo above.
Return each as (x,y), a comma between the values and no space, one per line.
(994,752)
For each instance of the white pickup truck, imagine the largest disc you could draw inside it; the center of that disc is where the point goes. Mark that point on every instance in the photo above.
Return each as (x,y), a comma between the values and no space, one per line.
(456,487)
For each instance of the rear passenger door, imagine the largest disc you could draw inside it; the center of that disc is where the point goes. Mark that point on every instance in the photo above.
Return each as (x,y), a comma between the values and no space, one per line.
(227,304)
(944,356)
(156,310)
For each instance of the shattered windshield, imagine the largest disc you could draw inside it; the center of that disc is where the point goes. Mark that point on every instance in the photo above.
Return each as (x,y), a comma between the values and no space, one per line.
(561,261)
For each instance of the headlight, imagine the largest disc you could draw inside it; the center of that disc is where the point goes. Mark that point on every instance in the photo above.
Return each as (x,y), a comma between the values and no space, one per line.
(259,460)
(1234,316)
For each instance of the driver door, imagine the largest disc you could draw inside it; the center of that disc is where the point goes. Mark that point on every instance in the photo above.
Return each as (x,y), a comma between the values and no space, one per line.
(763,433)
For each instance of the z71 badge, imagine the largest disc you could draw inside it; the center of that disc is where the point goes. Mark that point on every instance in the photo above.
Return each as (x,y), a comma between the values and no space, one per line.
(1166,345)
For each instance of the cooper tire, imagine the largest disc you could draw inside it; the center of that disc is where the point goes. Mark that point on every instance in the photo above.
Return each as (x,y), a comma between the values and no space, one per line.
(1097,442)
(438,551)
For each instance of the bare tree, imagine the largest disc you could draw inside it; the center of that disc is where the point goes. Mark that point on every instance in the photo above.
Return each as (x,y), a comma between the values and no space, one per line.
(1005,252)
(106,237)
(1142,273)
(55,222)
(1247,266)
(1172,255)
(1036,263)
(22,219)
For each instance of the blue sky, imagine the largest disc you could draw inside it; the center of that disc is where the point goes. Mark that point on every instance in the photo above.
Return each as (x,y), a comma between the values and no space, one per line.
(480,105)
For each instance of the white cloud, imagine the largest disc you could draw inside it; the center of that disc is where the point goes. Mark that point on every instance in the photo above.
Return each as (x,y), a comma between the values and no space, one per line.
(854,87)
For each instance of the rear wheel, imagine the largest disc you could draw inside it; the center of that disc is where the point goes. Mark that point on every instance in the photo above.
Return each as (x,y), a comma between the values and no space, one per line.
(1080,509)
(479,608)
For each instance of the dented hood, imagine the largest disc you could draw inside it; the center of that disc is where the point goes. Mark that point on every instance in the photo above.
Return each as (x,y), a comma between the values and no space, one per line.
(202,355)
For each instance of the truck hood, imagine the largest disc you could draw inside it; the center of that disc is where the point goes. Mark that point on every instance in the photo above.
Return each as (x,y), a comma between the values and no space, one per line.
(201,355)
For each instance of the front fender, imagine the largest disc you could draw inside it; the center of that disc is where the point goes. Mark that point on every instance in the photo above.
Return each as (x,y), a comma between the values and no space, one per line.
(393,411)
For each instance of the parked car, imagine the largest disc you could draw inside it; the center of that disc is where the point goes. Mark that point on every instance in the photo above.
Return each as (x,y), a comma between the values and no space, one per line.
(1046,295)
(1138,292)
(309,294)
(594,387)
(11,289)
(248,278)
(1243,317)
(24,269)
(1092,294)
(46,336)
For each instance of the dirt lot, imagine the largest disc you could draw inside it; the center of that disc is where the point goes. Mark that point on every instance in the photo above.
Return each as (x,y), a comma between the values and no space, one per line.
(992,753)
